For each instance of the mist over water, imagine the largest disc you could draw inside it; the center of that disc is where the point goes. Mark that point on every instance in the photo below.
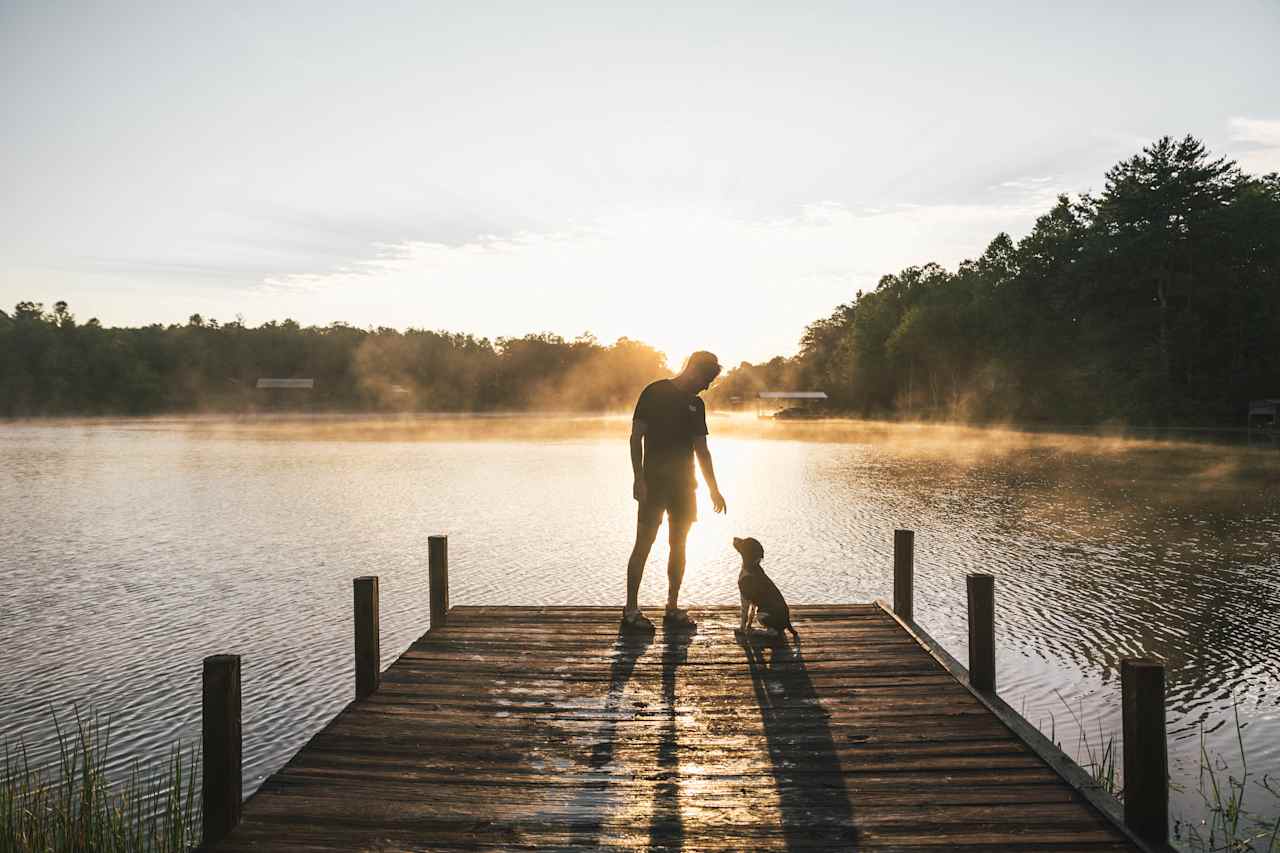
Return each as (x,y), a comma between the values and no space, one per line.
(132,549)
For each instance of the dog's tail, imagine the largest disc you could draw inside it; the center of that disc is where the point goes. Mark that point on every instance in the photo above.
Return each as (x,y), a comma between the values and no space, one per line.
(795,635)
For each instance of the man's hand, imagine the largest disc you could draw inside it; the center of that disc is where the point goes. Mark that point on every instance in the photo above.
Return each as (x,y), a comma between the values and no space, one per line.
(639,490)
(708,472)
(717,501)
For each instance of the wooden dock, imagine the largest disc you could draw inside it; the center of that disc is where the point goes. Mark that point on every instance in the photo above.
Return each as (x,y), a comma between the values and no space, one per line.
(542,728)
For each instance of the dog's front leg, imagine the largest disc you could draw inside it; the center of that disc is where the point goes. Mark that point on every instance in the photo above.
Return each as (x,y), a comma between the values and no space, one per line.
(745,614)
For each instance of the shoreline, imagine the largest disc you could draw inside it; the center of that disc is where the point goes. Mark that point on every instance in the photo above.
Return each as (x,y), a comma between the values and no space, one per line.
(586,424)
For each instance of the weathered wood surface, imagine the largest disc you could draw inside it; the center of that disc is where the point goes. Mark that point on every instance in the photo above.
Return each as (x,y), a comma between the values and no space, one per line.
(541,728)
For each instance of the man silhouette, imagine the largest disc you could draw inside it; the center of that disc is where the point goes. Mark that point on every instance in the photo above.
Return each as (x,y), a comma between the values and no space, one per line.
(668,430)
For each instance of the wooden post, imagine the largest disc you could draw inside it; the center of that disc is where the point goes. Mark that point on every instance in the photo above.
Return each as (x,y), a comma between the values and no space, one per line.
(368,651)
(1146,757)
(904,562)
(220,717)
(438,578)
(981,591)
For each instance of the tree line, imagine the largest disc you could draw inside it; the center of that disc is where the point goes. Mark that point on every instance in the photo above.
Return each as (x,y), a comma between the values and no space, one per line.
(52,365)
(1154,302)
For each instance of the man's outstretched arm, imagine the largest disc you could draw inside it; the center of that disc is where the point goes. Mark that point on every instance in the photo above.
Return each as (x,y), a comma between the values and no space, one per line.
(637,459)
(708,472)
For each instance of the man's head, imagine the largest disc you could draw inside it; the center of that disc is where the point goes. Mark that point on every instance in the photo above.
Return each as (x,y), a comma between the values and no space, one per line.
(699,371)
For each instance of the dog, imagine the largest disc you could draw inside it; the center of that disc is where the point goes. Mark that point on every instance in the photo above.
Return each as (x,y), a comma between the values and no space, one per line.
(760,597)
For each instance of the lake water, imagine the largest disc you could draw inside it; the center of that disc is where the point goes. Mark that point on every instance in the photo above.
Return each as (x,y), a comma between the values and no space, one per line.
(132,549)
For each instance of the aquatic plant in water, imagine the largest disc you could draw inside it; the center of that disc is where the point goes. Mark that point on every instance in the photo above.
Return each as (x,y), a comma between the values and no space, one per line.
(1225,824)
(73,806)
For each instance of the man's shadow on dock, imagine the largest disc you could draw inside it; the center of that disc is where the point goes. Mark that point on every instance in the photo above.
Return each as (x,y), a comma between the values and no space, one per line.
(627,650)
(594,802)
(666,828)
(812,797)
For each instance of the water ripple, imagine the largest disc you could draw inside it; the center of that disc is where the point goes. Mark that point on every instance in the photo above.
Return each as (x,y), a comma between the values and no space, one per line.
(130,554)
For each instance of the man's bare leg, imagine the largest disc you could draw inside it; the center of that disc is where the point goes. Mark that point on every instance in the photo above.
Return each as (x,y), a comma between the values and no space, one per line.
(679,536)
(646,533)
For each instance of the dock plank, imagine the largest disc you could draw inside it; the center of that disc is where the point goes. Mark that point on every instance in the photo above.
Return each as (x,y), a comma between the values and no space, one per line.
(541,728)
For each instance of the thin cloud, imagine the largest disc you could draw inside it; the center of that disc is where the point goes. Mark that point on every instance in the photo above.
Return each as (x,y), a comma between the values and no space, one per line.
(1025,183)
(1257,142)
(670,277)
(1038,191)
(1261,131)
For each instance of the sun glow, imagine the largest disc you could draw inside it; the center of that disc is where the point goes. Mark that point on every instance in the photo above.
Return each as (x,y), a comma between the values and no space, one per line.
(677,279)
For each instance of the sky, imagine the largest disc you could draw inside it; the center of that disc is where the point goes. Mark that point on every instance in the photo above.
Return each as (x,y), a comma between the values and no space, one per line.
(697,176)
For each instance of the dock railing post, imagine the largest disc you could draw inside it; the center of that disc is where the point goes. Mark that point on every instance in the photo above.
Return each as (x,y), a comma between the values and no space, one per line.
(981,590)
(220,724)
(904,562)
(438,578)
(368,647)
(1146,757)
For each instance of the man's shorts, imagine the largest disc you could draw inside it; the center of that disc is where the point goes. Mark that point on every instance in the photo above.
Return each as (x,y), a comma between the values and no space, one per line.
(678,500)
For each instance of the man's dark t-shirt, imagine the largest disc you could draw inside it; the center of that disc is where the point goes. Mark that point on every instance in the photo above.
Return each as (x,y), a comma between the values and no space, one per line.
(673,419)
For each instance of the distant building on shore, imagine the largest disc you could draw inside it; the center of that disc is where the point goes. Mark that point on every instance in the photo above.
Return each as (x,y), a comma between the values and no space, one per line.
(299,384)
(275,393)
(1264,420)
(794,404)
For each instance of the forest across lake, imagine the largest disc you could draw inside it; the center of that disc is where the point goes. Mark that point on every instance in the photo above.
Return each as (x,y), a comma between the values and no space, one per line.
(1154,302)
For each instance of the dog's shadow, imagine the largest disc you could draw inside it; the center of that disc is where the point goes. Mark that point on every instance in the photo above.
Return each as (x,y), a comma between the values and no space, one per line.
(812,797)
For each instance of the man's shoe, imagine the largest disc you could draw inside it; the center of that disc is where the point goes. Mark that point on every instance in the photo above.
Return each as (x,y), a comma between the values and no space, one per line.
(636,621)
(678,619)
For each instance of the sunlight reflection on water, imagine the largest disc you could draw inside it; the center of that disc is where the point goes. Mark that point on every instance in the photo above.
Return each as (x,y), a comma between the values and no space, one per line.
(133,549)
